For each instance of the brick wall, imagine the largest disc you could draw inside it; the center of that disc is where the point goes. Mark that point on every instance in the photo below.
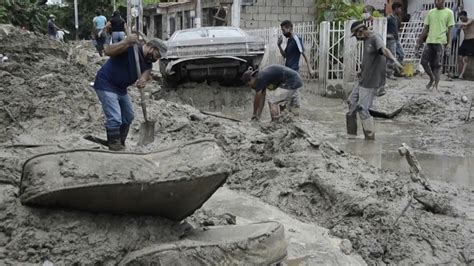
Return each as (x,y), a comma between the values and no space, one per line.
(270,13)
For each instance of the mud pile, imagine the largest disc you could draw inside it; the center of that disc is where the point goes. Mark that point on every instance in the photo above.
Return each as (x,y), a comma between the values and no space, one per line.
(444,107)
(43,86)
(49,106)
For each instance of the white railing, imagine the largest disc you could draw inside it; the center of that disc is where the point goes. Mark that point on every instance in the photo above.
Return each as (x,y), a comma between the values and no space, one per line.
(336,55)
(307,31)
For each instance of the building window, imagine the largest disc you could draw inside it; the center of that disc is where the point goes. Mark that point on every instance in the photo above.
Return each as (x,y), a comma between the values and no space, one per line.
(248,2)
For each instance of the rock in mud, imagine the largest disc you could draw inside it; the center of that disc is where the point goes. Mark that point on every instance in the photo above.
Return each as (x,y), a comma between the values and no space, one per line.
(171,183)
(253,244)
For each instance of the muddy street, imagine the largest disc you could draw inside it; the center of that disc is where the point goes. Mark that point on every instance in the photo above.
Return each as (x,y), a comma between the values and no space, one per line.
(341,201)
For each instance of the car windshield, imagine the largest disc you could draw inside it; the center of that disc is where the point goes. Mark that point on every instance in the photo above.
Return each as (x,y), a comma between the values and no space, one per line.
(213,33)
(220,33)
(190,35)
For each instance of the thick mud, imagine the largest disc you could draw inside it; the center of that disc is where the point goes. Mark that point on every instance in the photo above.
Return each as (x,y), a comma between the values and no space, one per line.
(295,165)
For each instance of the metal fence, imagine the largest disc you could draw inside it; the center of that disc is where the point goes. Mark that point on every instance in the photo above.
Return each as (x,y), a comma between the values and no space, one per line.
(336,55)
(307,31)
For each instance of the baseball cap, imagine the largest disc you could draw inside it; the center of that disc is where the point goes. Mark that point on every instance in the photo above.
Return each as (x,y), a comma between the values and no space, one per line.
(158,44)
(356,26)
(248,75)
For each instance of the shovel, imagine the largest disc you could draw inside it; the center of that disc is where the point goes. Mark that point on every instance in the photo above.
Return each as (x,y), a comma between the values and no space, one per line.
(147,128)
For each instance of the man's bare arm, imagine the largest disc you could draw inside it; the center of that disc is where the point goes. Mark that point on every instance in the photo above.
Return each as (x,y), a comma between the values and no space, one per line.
(282,52)
(423,36)
(258,104)
(469,22)
(386,52)
(120,47)
(144,78)
(449,33)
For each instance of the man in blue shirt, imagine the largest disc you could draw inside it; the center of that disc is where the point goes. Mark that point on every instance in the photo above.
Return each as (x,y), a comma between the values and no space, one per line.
(278,82)
(98,27)
(115,76)
(292,53)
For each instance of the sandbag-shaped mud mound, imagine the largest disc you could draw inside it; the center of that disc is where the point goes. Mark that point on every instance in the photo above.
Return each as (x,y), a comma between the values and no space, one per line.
(171,183)
(254,244)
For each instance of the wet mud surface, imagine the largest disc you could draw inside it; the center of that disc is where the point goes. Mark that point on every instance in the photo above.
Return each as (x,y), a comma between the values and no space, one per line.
(297,166)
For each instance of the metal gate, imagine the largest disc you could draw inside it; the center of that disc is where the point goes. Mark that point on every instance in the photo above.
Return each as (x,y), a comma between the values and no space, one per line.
(308,31)
(340,55)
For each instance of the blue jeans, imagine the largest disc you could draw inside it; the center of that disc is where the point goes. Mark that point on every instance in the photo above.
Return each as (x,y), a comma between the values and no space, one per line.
(117,36)
(400,53)
(392,46)
(118,110)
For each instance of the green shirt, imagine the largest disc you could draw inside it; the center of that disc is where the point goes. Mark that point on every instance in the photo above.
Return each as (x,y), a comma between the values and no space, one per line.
(439,22)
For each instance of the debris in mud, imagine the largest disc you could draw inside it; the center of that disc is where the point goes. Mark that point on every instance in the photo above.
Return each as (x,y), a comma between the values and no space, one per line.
(171,183)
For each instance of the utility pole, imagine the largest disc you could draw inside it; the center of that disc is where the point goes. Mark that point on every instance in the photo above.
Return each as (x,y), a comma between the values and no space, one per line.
(76,20)
(140,16)
(197,20)
(236,6)
(115,7)
(129,16)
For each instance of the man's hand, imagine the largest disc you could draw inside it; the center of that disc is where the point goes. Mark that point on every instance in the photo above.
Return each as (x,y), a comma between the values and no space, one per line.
(140,83)
(398,65)
(417,50)
(280,40)
(312,73)
(131,39)
(448,49)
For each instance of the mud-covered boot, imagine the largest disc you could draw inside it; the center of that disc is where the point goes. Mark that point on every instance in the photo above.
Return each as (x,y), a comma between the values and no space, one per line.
(369,128)
(351,124)
(124,133)
(113,141)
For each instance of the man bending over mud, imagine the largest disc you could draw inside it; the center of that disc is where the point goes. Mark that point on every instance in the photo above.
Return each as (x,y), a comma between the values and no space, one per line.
(281,84)
(371,80)
(115,76)
(437,32)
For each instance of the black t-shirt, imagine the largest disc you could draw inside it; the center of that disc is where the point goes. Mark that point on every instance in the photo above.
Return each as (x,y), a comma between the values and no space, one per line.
(274,76)
(118,24)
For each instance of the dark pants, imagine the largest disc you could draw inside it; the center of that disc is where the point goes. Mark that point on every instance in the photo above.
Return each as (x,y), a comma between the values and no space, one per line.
(432,60)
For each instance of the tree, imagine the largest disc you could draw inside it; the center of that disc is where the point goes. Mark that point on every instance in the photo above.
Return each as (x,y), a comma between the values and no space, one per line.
(24,13)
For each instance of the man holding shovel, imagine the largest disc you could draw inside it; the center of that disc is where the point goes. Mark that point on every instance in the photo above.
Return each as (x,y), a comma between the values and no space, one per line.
(113,78)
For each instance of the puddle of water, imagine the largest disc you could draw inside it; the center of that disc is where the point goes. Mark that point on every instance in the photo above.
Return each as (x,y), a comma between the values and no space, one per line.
(382,153)
(453,169)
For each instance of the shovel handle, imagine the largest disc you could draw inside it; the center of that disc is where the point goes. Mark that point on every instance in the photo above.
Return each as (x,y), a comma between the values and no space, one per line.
(139,73)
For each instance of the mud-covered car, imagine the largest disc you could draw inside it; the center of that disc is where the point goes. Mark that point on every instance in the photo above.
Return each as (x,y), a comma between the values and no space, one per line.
(210,53)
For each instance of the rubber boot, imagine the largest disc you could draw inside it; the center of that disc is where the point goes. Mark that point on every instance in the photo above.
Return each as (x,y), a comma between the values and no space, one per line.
(124,133)
(369,128)
(351,124)
(113,140)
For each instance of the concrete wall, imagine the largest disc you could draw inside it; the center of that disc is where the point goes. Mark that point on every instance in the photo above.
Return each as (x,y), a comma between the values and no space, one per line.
(270,13)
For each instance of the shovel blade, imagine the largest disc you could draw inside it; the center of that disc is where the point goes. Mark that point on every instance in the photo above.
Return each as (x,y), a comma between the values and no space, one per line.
(147,133)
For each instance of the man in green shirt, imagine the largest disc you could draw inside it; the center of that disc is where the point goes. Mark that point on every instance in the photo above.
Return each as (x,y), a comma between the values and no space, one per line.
(437,32)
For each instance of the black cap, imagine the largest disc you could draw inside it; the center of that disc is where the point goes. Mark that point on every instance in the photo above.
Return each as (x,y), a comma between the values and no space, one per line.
(248,75)
(356,26)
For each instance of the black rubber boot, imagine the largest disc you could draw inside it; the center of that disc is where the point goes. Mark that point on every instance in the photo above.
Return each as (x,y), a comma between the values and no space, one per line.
(351,124)
(124,133)
(113,140)
(369,128)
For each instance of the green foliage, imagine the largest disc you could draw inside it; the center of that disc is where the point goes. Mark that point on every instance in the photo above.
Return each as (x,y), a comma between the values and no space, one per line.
(340,10)
(24,13)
